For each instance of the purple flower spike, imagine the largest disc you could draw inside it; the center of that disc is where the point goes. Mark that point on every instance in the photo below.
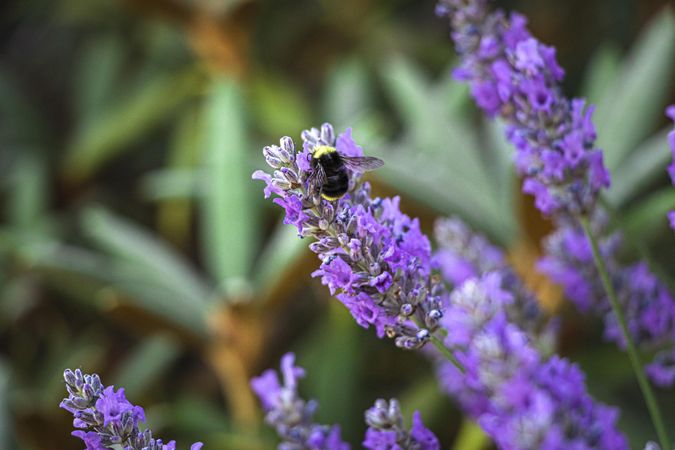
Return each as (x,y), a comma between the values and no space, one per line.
(516,77)
(375,259)
(648,306)
(521,400)
(106,417)
(386,431)
(464,254)
(289,414)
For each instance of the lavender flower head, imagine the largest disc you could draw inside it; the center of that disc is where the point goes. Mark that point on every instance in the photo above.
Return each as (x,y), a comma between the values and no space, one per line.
(289,414)
(464,254)
(670,112)
(373,257)
(292,418)
(519,399)
(386,431)
(515,77)
(106,418)
(648,306)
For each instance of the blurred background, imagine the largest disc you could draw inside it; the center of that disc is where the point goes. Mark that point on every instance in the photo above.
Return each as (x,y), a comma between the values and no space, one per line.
(134,244)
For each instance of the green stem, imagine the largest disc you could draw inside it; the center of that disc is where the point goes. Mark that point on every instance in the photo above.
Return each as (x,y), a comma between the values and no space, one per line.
(633,355)
(447,353)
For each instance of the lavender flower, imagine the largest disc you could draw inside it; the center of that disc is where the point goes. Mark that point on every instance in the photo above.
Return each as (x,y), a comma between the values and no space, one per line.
(463,254)
(374,258)
(386,431)
(519,399)
(670,112)
(514,76)
(290,415)
(648,306)
(106,418)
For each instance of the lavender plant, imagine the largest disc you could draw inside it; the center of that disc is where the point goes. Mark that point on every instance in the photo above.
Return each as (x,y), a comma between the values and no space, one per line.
(514,76)
(105,418)
(292,417)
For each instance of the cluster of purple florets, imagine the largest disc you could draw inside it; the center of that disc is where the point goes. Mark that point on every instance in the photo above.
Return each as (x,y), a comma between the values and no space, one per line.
(373,257)
(289,414)
(293,418)
(520,399)
(516,77)
(648,306)
(105,418)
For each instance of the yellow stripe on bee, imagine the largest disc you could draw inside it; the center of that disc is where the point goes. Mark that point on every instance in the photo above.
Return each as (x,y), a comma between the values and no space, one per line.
(323,150)
(331,199)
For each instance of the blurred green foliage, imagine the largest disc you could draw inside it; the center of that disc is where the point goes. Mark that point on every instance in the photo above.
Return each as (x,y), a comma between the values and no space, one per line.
(134,244)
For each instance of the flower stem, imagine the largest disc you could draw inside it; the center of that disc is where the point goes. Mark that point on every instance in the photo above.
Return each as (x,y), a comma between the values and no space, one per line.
(447,353)
(633,355)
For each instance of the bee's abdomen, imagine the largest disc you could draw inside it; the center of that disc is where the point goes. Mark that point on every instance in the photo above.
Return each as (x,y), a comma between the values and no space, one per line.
(336,184)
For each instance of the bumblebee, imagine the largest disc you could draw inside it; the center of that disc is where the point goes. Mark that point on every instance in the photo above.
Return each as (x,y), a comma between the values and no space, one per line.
(330,176)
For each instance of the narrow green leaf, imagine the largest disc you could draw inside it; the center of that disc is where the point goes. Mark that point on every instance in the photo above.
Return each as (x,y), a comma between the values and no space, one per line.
(602,72)
(649,216)
(278,256)
(278,106)
(129,120)
(27,192)
(165,184)
(642,166)
(634,102)
(147,363)
(228,214)
(98,67)
(347,94)
(153,257)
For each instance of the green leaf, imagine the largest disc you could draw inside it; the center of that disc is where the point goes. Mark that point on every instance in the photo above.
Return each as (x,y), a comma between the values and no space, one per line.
(640,168)
(602,71)
(634,102)
(99,65)
(171,184)
(347,94)
(278,256)
(27,192)
(127,121)
(146,364)
(100,280)
(278,106)
(649,216)
(228,213)
(139,249)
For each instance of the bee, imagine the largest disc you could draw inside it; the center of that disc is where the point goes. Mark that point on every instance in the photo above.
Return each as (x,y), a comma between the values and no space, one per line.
(331,171)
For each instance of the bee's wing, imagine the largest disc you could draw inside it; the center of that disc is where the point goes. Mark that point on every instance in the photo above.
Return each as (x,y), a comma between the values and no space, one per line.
(362,163)
(316,179)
